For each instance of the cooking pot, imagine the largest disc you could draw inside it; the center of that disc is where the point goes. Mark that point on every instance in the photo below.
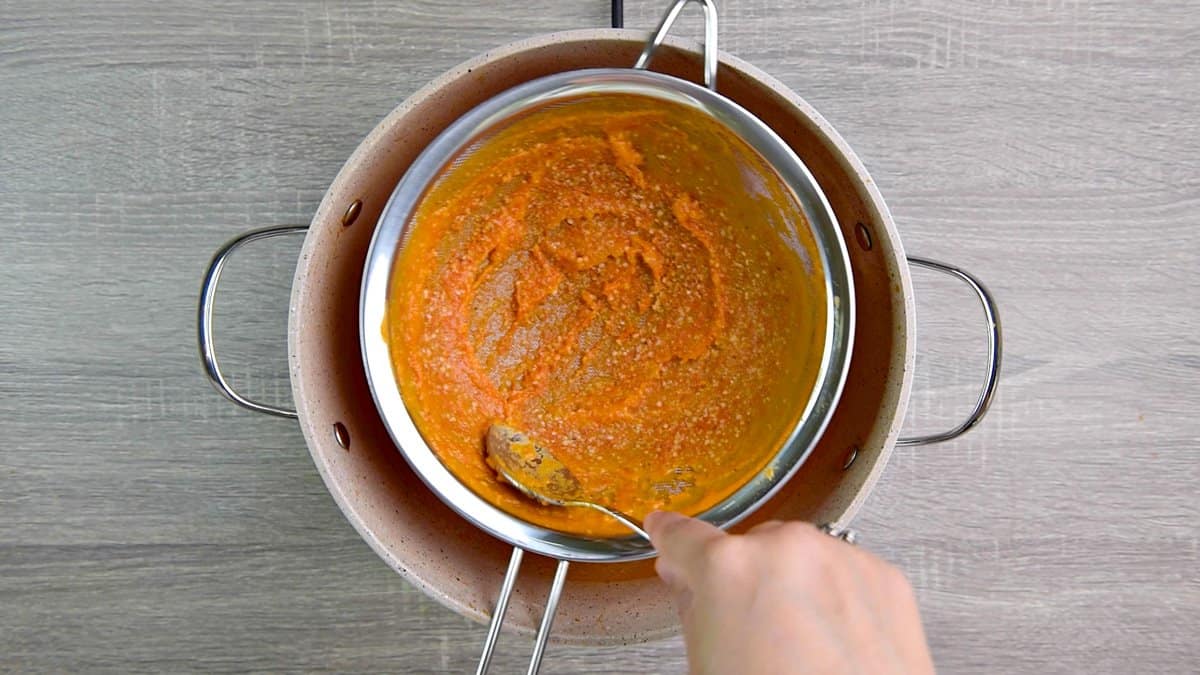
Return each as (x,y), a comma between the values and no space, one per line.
(427,542)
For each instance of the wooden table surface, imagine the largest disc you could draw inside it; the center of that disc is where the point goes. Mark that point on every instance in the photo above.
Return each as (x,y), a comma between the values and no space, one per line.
(1050,146)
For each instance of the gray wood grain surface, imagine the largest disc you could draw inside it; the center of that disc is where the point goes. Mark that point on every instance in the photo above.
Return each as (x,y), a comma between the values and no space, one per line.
(1050,146)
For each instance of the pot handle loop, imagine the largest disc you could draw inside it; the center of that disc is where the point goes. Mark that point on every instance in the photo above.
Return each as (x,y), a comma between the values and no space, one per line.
(710,39)
(992,319)
(208,293)
(506,589)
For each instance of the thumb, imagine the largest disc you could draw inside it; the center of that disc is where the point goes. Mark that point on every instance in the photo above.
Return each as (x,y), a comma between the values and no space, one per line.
(680,542)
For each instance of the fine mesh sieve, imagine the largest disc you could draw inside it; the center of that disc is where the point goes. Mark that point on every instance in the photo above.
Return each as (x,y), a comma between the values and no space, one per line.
(472,131)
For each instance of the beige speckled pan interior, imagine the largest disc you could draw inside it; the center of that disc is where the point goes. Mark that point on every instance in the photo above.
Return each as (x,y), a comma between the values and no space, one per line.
(424,540)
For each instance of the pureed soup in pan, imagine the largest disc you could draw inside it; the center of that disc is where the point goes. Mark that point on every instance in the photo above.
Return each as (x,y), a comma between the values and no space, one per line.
(627,282)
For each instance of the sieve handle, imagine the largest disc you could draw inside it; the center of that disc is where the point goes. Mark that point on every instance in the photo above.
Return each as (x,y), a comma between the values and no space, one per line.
(710,39)
(506,589)
(995,349)
(208,293)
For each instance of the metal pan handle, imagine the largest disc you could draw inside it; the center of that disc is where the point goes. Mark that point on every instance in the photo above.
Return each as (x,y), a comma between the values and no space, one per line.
(208,292)
(992,320)
(710,39)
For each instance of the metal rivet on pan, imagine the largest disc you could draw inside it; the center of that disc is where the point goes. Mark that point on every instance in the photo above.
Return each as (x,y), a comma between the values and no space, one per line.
(341,435)
(351,213)
(863,235)
(850,457)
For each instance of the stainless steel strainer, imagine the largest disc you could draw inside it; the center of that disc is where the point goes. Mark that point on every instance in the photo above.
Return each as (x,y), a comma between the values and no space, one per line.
(469,132)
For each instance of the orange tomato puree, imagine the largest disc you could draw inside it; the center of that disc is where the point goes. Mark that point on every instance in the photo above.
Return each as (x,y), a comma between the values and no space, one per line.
(624,280)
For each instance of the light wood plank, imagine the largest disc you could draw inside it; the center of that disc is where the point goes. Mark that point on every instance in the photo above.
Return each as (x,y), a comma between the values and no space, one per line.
(1052,147)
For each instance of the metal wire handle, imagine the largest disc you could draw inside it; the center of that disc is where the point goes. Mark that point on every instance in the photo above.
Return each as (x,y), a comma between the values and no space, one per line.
(995,351)
(506,589)
(710,39)
(208,292)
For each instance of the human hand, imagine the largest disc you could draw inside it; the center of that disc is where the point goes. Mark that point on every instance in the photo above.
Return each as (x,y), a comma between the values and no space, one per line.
(786,598)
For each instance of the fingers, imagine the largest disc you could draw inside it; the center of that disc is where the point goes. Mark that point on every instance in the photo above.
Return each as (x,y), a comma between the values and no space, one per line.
(680,542)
